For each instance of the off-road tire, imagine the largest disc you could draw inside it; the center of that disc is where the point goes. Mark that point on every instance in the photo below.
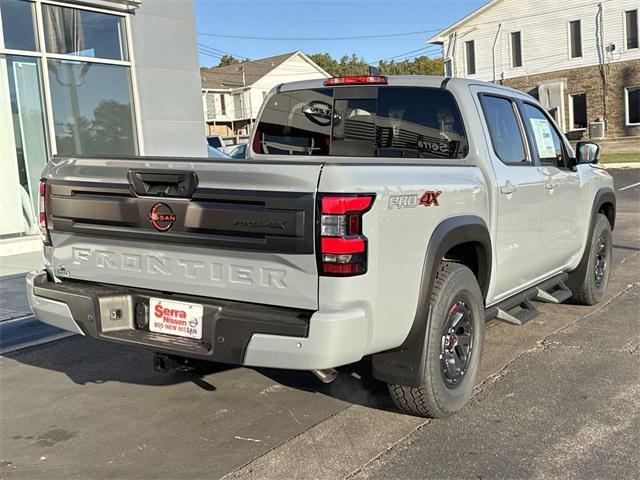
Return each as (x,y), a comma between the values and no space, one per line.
(433,398)
(586,290)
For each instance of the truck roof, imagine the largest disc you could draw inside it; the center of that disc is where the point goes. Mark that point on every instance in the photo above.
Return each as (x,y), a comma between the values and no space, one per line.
(405,81)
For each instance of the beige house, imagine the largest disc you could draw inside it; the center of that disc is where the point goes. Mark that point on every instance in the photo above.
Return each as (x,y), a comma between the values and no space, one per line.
(581,59)
(232,95)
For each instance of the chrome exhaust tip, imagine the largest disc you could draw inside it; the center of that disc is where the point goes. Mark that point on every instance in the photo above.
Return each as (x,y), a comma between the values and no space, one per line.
(326,375)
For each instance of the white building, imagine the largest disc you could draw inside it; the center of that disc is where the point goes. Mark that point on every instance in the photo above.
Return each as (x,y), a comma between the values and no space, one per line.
(91,77)
(580,57)
(232,95)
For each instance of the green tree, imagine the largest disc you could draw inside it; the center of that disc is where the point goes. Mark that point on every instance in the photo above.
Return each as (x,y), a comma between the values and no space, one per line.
(228,60)
(354,65)
(418,66)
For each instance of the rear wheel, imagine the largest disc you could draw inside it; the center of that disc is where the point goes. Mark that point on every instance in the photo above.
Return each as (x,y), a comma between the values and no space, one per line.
(454,349)
(589,288)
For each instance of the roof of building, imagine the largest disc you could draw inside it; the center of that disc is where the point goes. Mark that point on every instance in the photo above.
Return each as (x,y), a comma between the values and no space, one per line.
(439,37)
(230,76)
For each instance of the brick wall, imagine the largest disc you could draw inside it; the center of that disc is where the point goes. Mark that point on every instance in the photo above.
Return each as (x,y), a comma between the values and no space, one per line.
(588,80)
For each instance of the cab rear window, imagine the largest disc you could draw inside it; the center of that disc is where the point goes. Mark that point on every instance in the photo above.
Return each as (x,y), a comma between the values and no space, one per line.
(401,122)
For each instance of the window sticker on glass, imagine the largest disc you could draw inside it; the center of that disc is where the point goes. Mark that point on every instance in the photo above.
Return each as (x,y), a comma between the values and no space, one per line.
(544,139)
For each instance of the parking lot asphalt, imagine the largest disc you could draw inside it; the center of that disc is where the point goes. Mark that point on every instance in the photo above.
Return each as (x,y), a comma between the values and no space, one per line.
(558,398)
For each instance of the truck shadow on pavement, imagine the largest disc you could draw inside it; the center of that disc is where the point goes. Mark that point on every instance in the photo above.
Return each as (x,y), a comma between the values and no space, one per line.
(355,385)
(88,361)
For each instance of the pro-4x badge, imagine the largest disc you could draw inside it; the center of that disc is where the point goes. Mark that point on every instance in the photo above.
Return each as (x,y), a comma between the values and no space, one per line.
(430,198)
(413,200)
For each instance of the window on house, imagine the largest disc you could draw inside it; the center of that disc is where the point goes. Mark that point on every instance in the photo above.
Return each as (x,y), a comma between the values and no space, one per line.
(632,101)
(223,107)
(516,49)
(448,68)
(631,28)
(578,104)
(470,53)
(211,105)
(575,38)
(504,130)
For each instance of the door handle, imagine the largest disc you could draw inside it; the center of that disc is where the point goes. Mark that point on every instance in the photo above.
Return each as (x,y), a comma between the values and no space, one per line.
(550,185)
(507,188)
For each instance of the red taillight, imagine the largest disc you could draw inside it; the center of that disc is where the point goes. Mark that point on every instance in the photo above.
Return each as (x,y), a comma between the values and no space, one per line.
(42,212)
(343,247)
(356,80)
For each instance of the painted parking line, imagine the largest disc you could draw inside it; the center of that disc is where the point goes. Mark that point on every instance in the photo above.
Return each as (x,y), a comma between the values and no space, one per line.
(27,331)
(629,186)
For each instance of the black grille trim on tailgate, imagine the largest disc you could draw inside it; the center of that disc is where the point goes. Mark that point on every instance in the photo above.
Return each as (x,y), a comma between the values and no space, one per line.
(278,222)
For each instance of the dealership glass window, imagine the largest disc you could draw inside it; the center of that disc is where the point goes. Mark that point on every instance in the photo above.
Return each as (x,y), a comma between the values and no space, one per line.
(632,101)
(631,28)
(578,105)
(516,49)
(17,24)
(84,33)
(470,56)
(26,149)
(575,38)
(85,107)
(92,108)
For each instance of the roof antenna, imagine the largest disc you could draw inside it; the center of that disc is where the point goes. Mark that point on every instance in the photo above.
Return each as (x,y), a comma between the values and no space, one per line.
(373,71)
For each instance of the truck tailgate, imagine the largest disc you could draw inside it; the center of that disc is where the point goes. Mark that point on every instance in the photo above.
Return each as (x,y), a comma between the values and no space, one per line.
(239,231)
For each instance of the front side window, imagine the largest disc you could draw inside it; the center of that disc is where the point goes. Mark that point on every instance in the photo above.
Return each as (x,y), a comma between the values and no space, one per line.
(575,38)
(391,122)
(470,55)
(18,29)
(631,28)
(546,139)
(504,130)
(92,108)
(516,49)
(83,33)
(633,105)
(578,105)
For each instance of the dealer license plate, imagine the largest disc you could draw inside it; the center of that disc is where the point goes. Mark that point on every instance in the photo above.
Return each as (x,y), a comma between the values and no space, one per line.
(175,318)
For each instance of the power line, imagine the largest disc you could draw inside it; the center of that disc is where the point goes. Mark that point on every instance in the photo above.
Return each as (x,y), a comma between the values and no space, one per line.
(407,53)
(221,52)
(305,39)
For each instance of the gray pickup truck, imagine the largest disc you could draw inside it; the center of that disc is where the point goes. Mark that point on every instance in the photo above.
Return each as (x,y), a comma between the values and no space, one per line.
(376,217)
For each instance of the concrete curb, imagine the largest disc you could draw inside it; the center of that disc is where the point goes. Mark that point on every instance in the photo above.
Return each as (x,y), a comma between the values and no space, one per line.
(621,165)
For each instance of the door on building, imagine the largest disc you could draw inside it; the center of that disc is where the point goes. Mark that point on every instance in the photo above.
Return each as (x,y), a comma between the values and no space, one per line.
(551,97)
(563,207)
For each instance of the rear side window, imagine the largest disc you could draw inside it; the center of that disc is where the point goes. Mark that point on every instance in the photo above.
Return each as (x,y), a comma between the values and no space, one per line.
(504,130)
(401,122)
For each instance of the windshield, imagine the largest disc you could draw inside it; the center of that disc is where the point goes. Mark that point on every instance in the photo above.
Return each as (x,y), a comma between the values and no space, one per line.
(406,122)
(215,142)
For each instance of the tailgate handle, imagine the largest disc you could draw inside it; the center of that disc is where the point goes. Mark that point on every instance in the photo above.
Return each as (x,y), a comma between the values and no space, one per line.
(163,184)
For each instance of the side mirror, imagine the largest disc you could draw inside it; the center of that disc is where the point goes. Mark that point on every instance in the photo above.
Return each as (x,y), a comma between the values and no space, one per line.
(587,152)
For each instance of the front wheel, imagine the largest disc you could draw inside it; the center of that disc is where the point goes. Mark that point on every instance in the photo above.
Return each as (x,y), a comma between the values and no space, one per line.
(589,285)
(454,350)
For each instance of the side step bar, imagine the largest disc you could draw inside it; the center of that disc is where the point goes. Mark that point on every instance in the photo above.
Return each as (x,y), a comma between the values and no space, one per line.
(519,309)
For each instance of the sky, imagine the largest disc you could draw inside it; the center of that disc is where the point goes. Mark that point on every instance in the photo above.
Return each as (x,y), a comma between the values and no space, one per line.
(296,21)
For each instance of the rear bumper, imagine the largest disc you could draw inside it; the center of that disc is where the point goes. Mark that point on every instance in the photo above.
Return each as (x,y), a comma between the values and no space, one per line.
(233,332)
